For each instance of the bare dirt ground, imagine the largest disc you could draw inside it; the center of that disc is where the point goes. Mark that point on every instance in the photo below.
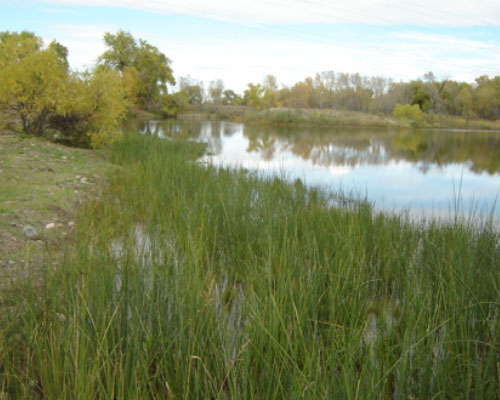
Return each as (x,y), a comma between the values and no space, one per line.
(41,185)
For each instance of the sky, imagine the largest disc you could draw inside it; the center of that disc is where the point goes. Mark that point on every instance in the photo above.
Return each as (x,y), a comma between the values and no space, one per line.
(243,41)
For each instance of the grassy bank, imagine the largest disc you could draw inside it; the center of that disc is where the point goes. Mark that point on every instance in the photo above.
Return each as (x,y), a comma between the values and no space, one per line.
(41,185)
(292,117)
(184,281)
(329,118)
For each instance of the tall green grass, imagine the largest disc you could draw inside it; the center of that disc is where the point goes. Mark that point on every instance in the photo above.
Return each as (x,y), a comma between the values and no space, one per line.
(186,281)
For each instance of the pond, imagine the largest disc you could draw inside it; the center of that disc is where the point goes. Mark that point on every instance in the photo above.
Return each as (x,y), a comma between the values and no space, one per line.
(430,173)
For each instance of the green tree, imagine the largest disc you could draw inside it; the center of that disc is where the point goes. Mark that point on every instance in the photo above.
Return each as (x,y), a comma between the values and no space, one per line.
(420,95)
(31,88)
(173,104)
(487,97)
(231,98)
(215,91)
(270,95)
(60,51)
(193,88)
(15,46)
(407,113)
(152,66)
(37,88)
(91,108)
(464,102)
(253,96)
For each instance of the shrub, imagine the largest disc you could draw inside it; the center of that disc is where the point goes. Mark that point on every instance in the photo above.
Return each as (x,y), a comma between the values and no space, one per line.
(409,114)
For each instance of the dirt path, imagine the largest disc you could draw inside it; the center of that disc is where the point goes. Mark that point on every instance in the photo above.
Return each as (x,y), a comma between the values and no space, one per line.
(41,185)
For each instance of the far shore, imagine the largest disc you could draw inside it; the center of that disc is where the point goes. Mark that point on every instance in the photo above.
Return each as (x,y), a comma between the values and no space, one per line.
(283,116)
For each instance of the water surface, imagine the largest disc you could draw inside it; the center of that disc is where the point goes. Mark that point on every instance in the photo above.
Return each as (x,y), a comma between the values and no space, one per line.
(429,172)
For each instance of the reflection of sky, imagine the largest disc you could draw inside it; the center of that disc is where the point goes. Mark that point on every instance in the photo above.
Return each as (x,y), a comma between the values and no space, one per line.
(391,184)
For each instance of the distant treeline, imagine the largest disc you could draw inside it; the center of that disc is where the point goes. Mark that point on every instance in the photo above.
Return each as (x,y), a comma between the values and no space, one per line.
(354,92)
(40,92)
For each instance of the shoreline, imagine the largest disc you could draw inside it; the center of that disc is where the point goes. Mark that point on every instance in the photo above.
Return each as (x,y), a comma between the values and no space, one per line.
(177,269)
(329,118)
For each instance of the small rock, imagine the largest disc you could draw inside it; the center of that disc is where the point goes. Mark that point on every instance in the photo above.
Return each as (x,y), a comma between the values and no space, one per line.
(11,262)
(50,226)
(71,223)
(30,233)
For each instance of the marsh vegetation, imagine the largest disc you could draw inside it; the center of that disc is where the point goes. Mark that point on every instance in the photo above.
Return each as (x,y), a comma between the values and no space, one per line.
(192,281)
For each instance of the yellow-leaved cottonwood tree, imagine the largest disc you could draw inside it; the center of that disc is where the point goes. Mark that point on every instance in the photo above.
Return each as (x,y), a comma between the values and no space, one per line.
(38,89)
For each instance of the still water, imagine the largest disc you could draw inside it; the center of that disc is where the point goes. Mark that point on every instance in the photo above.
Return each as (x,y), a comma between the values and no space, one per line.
(431,173)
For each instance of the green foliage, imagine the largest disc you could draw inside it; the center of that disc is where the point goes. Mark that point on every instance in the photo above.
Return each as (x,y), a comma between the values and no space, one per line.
(253,96)
(31,88)
(15,46)
(230,98)
(215,91)
(464,102)
(91,112)
(152,67)
(60,51)
(194,93)
(37,87)
(187,281)
(407,113)
(173,104)
(487,97)
(421,95)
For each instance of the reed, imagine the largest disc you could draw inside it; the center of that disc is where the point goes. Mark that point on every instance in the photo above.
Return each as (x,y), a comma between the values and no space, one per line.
(190,281)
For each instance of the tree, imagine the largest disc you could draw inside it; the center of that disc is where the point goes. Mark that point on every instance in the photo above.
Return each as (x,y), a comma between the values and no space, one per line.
(173,104)
(253,96)
(37,87)
(31,88)
(421,95)
(60,51)
(91,109)
(152,67)
(15,46)
(105,99)
(193,88)
(407,113)
(487,97)
(215,90)
(231,98)
(270,95)
(300,94)
(464,102)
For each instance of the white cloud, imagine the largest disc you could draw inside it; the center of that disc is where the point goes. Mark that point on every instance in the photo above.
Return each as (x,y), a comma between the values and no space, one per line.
(378,12)
(291,55)
(84,41)
(291,61)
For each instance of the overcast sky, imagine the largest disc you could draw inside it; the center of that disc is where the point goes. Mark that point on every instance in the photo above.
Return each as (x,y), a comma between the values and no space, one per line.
(242,41)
